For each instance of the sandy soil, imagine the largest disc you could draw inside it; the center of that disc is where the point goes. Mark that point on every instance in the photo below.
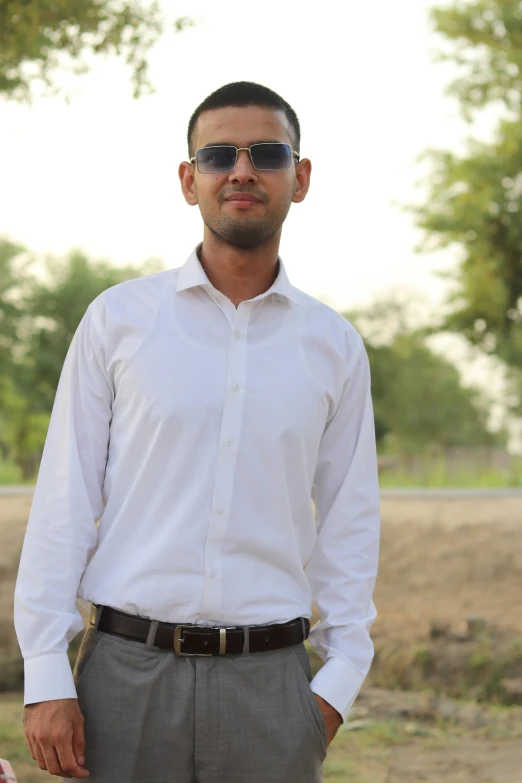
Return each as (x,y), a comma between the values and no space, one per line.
(439,559)
(445,559)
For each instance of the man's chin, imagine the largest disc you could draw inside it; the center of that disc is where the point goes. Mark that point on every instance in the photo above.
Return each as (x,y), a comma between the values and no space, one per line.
(244,239)
(245,243)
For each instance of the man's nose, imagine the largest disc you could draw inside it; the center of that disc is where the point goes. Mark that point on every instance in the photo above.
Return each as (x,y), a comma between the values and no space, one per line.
(244,171)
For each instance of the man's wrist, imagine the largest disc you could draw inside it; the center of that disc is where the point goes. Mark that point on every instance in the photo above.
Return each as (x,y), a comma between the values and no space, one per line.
(48,678)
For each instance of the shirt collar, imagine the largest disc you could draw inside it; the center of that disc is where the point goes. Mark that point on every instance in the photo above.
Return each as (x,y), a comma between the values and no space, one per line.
(192,274)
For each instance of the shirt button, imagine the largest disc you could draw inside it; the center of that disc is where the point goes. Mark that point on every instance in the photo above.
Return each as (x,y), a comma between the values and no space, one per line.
(213,573)
(230,441)
(237,334)
(235,387)
(220,510)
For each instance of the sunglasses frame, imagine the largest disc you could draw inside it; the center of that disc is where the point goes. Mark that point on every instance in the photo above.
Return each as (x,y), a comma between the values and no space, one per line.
(238,150)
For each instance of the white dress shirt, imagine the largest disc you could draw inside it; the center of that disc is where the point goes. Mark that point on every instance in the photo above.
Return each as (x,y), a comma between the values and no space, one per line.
(188,444)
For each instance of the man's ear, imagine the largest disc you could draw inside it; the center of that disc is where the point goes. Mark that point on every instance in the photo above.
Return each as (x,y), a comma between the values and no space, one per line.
(303,171)
(186,178)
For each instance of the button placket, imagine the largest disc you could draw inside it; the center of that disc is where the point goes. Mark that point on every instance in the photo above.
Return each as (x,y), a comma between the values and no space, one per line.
(225,464)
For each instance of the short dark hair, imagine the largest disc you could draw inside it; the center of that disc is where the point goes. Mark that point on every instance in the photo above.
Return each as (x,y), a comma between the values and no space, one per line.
(245,94)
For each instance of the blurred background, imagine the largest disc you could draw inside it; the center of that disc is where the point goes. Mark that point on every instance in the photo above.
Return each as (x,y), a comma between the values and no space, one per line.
(411,115)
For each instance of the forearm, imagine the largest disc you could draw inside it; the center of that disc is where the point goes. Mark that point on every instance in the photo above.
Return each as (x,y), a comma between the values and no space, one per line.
(343,568)
(61,532)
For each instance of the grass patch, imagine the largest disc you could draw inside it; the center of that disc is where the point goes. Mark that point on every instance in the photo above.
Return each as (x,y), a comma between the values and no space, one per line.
(436,472)
(381,734)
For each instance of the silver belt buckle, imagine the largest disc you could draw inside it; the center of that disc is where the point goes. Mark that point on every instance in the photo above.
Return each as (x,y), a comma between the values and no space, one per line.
(178,640)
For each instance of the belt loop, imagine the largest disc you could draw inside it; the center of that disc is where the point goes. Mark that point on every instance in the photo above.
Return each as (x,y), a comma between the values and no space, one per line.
(303,626)
(96,613)
(152,634)
(246,643)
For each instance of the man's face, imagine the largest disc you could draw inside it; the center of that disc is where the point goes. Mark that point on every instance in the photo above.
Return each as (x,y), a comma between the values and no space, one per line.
(244,223)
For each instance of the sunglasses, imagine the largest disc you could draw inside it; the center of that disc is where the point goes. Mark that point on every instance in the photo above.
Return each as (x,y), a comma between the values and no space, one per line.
(265,156)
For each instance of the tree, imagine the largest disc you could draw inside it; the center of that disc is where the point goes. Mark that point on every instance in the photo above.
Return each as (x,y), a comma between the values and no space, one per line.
(474,203)
(39,36)
(420,401)
(418,397)
(486,43)
(13,274)
(13,270)
(48,313)
(474,199)
(55,307)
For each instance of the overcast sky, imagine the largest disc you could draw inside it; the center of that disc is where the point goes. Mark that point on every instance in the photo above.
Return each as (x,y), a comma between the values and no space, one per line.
(101,172)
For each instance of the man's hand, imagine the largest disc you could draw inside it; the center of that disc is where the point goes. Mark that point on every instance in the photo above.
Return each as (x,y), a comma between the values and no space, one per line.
(332,718)
(55,737)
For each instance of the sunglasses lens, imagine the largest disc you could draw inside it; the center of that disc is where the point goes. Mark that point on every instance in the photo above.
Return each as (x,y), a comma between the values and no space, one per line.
(270,157)
(216,160)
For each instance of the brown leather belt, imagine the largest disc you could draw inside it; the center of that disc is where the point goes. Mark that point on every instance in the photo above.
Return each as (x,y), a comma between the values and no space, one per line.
(203,639)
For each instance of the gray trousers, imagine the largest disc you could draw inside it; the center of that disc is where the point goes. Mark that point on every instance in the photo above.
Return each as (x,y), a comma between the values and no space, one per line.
(155,717)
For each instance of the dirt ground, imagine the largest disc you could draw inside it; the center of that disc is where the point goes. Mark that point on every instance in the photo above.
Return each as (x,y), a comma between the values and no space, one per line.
(441,559)
(445,559)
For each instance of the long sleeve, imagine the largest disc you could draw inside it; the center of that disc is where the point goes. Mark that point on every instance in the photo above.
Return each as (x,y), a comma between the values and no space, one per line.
(61,532)
(343,567)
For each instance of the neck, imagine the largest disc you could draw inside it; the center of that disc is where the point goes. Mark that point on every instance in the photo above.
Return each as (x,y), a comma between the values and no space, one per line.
(239,273)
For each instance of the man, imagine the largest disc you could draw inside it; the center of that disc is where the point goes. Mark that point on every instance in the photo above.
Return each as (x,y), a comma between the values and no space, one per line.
(202,413)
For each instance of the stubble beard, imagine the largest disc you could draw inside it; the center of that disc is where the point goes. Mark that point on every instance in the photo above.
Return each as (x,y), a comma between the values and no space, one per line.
(243,233)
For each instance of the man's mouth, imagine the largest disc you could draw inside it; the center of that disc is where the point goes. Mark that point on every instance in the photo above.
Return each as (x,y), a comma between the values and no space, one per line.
(242,199)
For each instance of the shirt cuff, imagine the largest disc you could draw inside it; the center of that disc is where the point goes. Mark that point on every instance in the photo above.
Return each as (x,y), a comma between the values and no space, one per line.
(48,677)
(338,683)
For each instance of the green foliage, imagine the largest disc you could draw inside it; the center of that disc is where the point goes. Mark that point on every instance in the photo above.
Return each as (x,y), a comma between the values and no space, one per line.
(419,400)
(40,323)
(38,37)
(56,308)
(480,659)
(474,198)
(9,473)
(486,42)
(474,203)
(13,266)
